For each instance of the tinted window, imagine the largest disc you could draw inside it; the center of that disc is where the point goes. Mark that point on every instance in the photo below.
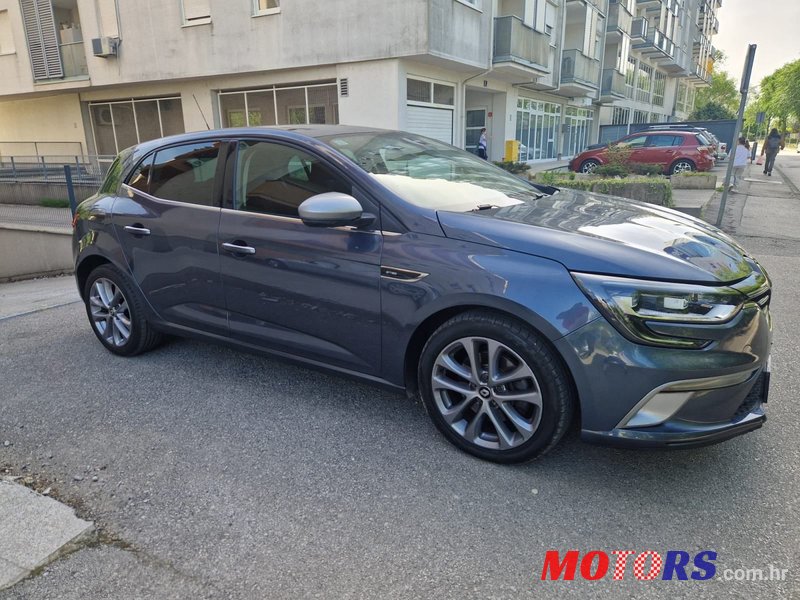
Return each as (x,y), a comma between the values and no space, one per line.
(186,173)
(276,179)
(111,182)
(665,140)
(140,178)
(634,142)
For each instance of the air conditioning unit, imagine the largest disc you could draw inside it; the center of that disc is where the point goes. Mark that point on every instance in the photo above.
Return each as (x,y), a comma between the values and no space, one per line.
(105,46)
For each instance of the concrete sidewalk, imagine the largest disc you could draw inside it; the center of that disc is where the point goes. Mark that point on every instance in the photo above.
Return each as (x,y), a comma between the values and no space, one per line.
(34,530)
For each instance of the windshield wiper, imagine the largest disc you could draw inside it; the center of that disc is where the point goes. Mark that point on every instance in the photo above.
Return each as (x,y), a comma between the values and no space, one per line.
(481,207)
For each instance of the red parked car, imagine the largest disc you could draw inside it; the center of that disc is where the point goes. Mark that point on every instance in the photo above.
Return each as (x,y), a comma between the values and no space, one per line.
(673,151)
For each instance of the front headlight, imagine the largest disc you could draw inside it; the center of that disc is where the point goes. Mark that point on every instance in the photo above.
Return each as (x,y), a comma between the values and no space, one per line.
(629,304)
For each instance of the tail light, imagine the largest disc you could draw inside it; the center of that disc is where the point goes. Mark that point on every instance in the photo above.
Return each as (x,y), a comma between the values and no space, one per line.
(75,220)
(705,149)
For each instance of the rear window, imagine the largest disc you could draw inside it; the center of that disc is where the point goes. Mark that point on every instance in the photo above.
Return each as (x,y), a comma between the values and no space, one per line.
(114,176)
(703,140)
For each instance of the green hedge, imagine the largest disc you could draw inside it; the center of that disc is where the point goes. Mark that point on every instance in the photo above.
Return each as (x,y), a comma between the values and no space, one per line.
(645,189)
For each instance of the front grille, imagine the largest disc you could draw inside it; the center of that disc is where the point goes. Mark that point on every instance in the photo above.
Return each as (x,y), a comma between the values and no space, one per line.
(763,299)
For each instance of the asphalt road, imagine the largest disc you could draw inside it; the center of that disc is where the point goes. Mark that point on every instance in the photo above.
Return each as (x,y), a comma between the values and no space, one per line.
(229,475)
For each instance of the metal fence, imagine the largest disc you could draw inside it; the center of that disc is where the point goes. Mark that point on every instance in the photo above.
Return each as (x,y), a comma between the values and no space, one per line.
(86,170)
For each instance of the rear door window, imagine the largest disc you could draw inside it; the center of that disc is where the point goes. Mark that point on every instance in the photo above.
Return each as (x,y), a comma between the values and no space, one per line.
(186,173)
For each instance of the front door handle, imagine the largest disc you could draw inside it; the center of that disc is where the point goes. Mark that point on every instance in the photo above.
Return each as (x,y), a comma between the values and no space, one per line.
(238,249)
(137,229)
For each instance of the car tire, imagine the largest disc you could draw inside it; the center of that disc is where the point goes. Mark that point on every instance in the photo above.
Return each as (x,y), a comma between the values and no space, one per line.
(480,418)
(116,312)
(682,166)
(588,166)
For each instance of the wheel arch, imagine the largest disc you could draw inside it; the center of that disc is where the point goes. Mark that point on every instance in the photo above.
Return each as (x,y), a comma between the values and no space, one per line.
(433,321)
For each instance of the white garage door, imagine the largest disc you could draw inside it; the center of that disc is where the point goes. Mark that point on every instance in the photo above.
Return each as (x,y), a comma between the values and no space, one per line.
(436,123)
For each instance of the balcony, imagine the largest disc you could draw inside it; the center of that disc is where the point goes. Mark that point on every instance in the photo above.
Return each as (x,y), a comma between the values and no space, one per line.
(619,21)
(600,5)
(520,51)
(580,75)
(639,29)
(612,87)
(655,44)
(648,4)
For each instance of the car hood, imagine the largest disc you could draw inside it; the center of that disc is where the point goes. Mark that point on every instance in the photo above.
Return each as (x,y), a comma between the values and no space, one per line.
(595,233)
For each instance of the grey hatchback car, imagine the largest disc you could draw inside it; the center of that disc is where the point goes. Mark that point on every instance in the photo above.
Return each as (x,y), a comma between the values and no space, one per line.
(509,308)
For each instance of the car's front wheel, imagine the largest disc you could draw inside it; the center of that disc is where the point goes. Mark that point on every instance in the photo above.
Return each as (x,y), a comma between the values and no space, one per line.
(116,312)
(495,388)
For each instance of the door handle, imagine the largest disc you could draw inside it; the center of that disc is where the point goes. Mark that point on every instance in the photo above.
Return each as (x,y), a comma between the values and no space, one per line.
(137,229)
(238,249)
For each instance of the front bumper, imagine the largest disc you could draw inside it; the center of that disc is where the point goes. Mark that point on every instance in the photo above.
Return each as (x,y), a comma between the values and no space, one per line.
(677,432)
(636,395)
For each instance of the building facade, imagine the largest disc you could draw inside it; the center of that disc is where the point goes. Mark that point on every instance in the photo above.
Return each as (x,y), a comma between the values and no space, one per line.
(91,77)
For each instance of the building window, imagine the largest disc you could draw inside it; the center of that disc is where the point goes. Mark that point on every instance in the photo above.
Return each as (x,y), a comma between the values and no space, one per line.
(655,118)
(644,82)
(640,116)
(6,37)
(620,115)
(538,125)
(659,87)
(578,130)
(119,124)
(196,12)
(55,42)
(266,7)
(630,77)
(680,103)
(280,105)
(430,92)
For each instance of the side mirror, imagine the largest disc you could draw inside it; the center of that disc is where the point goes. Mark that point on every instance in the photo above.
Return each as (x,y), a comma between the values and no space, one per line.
(331,209)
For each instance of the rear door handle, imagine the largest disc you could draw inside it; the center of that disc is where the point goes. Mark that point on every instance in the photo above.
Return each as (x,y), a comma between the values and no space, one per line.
(238,249)
(137,230)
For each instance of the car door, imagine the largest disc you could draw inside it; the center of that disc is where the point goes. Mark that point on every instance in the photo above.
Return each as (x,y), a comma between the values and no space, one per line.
(166,220)
(636,144)
(307,291)
(661,149)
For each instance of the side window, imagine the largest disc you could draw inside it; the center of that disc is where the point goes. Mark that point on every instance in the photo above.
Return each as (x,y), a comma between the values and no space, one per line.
(664,140)
(140,178)
(186,173)
(111,182)
(634,142)
(275,179)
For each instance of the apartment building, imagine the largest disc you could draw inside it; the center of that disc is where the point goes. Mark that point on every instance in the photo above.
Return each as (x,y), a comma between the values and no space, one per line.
(92,77)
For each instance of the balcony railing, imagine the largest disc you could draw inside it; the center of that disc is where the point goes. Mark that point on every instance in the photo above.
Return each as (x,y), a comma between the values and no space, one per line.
(613,83)
(73,57)
(516,42)
(639,28)
(577,67)
(619,19)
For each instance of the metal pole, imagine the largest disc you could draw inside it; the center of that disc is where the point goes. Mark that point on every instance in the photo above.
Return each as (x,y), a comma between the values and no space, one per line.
(13,168)
(748,69)
(73,205)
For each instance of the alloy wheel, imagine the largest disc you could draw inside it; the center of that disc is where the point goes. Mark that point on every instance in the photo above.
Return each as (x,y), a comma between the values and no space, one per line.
(111,315)
(486,393)
(682,167)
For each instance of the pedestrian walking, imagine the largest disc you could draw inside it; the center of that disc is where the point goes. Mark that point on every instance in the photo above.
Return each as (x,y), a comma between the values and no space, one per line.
(740,158)
(772,145)
(483,145)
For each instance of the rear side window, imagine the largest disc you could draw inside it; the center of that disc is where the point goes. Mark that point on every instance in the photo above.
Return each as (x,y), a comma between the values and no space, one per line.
(140,178)
(665,140)
(185,173)
(111,182)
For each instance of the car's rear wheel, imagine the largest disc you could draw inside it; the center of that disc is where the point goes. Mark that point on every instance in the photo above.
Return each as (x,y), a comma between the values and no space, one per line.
(681,166)
(116,313)
(588,166)
(495,388)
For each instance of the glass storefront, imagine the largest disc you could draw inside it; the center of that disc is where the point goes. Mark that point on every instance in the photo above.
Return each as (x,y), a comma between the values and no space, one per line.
(538,124)
(579,127)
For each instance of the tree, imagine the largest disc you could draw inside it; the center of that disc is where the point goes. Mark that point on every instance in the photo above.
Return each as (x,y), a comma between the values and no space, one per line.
(711,111)
(723,92)
(780,93)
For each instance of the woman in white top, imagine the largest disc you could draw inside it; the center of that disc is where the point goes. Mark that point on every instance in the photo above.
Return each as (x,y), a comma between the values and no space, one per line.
(740,159)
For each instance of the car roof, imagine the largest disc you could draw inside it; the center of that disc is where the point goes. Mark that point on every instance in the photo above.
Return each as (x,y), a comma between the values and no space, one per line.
(662,131)
(297,132)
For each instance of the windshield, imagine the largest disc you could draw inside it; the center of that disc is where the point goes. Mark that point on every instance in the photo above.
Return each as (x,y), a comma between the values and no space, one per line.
(432,174)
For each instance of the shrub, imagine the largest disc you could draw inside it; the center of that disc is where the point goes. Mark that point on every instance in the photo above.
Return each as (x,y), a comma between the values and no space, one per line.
(54,203)
(619,155)
(644,189)
(645,169)
(611,170)
(514,167)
